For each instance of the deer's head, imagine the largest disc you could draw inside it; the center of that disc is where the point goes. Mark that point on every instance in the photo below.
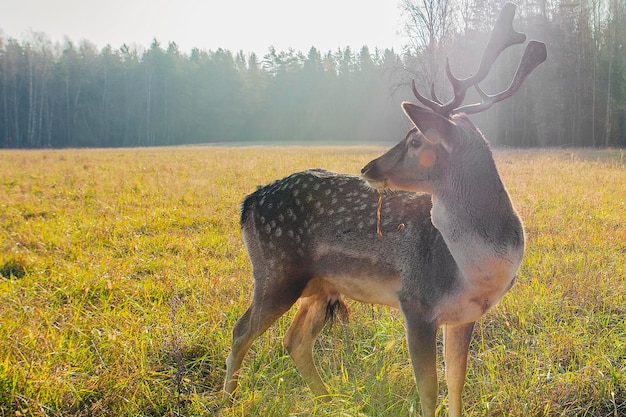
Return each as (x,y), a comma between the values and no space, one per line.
(443,137)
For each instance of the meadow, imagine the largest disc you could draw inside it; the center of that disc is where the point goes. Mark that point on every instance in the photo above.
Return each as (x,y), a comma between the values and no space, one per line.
(122,272)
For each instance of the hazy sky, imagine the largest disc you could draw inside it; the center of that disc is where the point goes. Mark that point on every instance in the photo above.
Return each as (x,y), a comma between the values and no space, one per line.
(249,25)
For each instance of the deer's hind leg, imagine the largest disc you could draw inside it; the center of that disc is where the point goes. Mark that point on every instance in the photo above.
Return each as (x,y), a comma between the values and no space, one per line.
(272,298)
(320,301)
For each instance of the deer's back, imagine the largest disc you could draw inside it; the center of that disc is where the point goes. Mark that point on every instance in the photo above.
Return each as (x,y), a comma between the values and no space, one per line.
(324,225)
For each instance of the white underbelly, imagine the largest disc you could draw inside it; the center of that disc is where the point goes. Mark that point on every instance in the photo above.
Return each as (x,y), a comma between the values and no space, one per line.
(373,290)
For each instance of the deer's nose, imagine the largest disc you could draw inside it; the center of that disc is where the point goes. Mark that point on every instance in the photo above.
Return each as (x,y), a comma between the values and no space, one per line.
(371,172)
(367,168)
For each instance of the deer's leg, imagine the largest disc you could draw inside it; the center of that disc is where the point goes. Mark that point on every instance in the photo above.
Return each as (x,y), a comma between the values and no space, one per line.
(307,324)
(456,341)
(267,306)
(422,337)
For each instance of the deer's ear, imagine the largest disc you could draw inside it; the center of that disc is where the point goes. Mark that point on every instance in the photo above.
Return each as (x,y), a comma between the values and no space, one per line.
(435,128)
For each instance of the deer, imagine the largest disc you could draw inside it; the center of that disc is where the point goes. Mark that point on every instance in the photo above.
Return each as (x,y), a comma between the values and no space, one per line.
(443,248)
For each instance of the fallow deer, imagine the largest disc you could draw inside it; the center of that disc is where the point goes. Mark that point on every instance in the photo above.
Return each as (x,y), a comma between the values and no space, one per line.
(446,250)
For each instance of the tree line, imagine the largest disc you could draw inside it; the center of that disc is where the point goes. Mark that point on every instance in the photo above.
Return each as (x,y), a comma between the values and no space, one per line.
(74,95)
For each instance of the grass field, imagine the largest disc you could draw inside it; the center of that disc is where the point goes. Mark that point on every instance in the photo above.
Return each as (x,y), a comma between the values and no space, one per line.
(122,274)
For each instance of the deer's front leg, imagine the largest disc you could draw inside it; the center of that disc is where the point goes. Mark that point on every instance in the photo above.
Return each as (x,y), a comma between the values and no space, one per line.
(421,338)
(456,341)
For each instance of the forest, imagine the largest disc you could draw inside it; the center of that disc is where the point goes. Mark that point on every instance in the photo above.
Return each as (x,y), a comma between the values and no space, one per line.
(60,95)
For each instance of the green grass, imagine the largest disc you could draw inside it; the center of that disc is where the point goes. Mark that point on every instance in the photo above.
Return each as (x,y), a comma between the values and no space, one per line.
(122,273)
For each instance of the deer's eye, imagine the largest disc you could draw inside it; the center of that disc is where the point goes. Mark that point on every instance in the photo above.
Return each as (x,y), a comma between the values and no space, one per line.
(415,143)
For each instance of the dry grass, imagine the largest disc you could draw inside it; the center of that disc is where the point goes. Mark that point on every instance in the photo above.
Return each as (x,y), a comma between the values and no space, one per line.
(123,273)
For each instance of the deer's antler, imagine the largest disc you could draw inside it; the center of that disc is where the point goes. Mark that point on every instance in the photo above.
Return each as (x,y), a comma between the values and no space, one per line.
(534,54)
(502,36)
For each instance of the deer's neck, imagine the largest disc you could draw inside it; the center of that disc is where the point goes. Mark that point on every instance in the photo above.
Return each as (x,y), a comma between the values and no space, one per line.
(477,220)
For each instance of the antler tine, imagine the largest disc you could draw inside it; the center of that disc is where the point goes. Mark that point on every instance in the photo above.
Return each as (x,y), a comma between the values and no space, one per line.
(502,36)
(534,54)
(426,102)
(434,103)
(433,95)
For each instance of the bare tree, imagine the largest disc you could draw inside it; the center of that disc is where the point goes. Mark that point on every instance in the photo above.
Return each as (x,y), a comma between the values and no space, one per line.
(428,26)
